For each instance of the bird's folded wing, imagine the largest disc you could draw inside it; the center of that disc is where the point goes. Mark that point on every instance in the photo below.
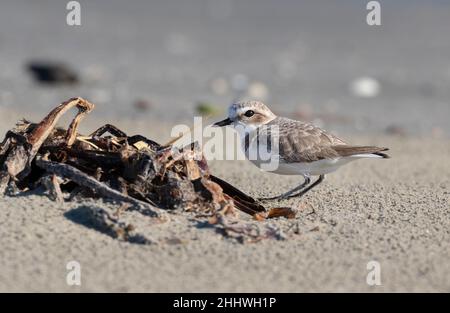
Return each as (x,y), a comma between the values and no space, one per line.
(302,142)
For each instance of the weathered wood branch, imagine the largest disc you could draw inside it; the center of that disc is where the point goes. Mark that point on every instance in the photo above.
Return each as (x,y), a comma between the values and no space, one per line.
(84,180)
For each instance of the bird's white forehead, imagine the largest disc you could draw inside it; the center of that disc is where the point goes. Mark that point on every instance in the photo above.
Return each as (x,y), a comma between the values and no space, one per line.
(241,107)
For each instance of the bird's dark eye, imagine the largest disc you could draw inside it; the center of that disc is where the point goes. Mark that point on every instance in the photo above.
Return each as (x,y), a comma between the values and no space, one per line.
(249,113)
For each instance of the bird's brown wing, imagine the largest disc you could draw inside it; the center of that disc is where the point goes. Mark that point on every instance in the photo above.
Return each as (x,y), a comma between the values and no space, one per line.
(303,142)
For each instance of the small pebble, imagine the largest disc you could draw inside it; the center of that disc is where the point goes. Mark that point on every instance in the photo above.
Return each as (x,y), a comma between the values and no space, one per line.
(50,72)
(365,87)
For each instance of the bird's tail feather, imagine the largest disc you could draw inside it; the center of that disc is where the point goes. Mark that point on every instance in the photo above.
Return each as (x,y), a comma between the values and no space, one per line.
(361,151)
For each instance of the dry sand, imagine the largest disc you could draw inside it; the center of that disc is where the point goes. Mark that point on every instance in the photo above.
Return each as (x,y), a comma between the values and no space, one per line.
(393,211)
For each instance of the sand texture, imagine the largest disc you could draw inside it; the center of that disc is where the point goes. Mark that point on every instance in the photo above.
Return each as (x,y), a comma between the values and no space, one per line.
(393,211)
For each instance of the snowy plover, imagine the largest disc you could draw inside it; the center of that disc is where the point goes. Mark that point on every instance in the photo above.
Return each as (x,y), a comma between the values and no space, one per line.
(302,148)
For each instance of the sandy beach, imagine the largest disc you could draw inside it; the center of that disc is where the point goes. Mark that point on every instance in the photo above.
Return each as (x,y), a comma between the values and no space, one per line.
(303,58)
(392,211)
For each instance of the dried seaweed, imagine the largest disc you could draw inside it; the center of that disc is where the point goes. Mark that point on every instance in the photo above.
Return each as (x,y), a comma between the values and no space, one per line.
(154,179)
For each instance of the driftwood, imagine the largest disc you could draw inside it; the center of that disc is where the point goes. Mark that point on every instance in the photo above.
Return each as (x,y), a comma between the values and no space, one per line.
(152,178)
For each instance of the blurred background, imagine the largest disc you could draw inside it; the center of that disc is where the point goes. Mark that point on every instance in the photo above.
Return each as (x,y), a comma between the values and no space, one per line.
(146,64)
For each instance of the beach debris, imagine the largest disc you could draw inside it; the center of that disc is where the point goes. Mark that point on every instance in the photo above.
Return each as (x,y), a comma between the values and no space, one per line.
(50,72)
(144,176)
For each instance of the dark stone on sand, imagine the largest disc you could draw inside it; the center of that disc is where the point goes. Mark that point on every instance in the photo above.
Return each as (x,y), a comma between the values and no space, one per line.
(142,105)
(49,72)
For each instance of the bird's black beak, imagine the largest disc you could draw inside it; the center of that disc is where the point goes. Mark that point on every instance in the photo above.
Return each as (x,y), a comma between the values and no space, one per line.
(225,122)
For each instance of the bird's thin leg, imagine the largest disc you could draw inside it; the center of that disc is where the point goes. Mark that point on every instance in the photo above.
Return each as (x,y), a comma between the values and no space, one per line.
(302,192)
(290,192)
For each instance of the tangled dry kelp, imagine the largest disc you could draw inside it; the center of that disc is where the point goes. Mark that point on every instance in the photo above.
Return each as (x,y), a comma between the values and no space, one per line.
(151,178)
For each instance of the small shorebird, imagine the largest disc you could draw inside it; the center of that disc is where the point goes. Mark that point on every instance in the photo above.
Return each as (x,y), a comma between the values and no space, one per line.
(304,149)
